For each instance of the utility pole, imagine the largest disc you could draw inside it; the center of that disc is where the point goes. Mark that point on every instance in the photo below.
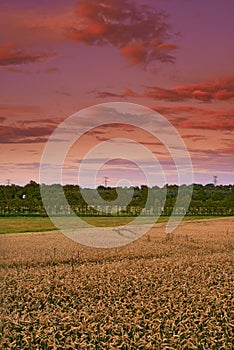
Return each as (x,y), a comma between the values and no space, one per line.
(106,180)
(8,182)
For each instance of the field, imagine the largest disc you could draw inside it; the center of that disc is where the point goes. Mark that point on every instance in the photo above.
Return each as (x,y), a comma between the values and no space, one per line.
(41,224)
(156,293)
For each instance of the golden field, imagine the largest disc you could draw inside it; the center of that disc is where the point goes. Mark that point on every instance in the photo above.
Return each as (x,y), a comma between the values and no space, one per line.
(156,293)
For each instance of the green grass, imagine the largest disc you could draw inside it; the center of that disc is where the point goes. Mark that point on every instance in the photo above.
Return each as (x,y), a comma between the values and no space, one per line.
(42,224)
(117,221)
(25,224)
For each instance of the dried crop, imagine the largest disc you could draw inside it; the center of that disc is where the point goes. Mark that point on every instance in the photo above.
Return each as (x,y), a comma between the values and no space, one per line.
(155,293)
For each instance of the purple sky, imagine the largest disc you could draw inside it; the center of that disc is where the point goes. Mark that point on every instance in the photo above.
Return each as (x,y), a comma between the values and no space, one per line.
(57,57)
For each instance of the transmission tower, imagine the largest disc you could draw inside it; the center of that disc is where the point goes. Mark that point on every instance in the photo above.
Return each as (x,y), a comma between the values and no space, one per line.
(215,180)
(106,180)
(8,181)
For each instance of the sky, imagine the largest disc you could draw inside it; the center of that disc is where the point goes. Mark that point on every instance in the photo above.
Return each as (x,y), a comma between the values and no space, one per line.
(59,57)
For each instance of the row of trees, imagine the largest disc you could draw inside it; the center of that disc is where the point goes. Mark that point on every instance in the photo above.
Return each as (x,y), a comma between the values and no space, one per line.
(27,200)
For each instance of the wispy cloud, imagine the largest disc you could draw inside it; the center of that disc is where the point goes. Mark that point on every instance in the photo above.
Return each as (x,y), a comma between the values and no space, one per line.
(218,90)
(215,124)
(11,55)
(31,165)
(191,117)
(52,70)
(219,159)
(194,137)
(7,110)
(11,134)
(16,70)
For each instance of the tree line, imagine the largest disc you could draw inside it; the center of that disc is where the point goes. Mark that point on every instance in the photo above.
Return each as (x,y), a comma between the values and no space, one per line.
(26,200)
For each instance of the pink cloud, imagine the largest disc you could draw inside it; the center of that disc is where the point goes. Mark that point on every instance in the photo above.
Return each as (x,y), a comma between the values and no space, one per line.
(104,94)
(218,90)
(138,31)
(209,124)
(16,70)
(10,55)
(227,150)
(10,134)
(135,53)
(18,110)
(52,70)
(194,137)
(190,117)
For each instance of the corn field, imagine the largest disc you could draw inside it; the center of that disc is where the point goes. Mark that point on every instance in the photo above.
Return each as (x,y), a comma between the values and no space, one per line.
(156,293)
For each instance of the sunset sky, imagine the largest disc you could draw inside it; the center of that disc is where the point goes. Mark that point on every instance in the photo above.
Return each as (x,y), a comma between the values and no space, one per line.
(58,57)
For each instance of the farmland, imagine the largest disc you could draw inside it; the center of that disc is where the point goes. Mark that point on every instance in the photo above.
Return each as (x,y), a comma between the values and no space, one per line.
(158,292)
(20,224)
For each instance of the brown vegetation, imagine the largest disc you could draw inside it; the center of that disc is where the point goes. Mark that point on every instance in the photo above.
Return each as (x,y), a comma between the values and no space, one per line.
(156,293)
